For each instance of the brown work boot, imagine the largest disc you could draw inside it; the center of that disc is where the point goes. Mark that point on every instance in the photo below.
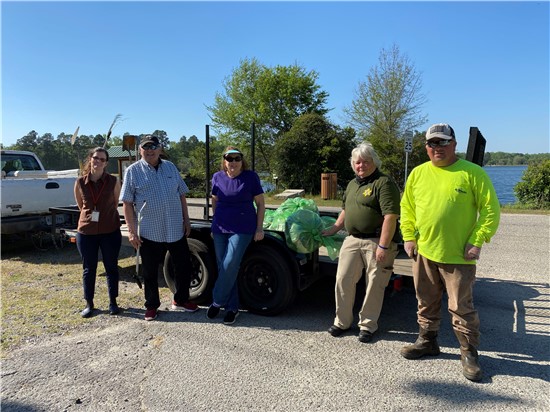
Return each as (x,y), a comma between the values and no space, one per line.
(426,344)
(469,358)
(470,363)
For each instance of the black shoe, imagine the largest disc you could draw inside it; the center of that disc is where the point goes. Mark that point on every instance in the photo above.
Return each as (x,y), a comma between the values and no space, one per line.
(87,312)
(212,311)
(113,309)
(336,331)
(365,336)
(230,317)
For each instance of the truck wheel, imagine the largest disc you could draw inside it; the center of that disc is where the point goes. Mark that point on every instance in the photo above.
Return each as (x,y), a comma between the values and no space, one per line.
(265,281)
(202,272)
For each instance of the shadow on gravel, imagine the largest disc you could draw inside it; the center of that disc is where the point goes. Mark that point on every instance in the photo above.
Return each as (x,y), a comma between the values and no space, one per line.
(9,406)
(514,322)
(461,396)
(514,325)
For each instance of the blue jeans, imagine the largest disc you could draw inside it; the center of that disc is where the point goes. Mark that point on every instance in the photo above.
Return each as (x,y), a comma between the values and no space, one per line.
(88,247)
(230,248)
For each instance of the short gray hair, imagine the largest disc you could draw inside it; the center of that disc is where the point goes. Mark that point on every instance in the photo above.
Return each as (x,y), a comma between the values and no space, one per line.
(365,151)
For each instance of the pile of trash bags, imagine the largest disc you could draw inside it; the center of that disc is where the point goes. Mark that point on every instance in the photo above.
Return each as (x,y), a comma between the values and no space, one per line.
(299,219)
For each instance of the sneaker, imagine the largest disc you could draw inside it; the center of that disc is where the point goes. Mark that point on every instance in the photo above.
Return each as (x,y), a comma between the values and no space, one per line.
(212,311)
(187,306)
(230,317)
(151,314)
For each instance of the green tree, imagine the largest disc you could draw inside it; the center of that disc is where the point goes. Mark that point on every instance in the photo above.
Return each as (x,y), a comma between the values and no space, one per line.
(115,141)
(271,98)
(179,152)
(534,188)
(163,138)
(47,151)
(311,147)
(393,157)
(28,142)
(387,105)
(66,158)
(390,101)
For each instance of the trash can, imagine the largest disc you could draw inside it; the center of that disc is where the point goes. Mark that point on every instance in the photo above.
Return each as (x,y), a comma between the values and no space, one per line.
(329,186)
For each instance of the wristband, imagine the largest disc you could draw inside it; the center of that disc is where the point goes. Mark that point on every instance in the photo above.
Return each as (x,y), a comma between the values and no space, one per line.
(382,247)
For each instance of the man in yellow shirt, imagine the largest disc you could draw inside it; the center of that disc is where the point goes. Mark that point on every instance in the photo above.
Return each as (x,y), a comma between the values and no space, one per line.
(448,210)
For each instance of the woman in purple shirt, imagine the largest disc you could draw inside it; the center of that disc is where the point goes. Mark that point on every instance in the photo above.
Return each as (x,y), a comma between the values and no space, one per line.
(235,190)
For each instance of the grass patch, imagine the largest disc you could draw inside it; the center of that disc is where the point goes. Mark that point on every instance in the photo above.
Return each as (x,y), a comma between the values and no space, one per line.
(518,208)
(42,293)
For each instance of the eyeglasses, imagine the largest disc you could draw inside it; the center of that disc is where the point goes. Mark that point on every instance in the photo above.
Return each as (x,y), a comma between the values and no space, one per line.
(150,147)
(232,159)
(101,159)
(438,143)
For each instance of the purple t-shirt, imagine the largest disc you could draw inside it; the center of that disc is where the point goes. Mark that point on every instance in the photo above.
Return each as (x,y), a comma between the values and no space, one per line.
(235,211)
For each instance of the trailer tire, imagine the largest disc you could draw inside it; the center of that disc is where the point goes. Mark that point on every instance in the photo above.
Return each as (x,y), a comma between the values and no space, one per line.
(266,284)
(203,272)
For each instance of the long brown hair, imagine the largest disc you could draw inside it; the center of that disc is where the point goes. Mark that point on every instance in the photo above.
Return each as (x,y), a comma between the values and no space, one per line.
(222,167)
(87,166)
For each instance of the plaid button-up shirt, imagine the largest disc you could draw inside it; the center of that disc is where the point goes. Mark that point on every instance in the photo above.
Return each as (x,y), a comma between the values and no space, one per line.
(161,188)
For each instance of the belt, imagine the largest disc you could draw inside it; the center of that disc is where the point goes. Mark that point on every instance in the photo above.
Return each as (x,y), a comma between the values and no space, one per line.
(365,235)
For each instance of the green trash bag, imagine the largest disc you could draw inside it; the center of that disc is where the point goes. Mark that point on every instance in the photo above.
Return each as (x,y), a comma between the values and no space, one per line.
(287,208)
(268,218)
(332,243)
(303,231)
(278,220)
(297,203)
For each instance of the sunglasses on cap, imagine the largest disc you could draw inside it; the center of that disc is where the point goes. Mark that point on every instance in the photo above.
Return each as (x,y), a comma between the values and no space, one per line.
(438,143)
(231,159)
(150,146)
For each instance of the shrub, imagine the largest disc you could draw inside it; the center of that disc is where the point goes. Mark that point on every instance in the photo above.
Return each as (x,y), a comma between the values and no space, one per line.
(534,187)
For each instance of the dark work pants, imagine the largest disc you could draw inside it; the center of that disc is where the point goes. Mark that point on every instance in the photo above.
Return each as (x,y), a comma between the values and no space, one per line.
(89,247)
(152,255)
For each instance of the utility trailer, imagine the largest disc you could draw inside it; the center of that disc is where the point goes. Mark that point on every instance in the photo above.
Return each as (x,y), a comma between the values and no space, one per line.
(271,273)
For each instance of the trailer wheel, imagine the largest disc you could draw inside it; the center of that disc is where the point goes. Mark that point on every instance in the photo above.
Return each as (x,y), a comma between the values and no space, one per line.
(265,281)
(202,274)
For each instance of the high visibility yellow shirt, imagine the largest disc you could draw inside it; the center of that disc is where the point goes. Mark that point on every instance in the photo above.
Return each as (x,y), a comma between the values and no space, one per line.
(444,208)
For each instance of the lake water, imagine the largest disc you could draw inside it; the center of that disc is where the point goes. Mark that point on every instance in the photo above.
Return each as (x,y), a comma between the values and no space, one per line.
(504,179)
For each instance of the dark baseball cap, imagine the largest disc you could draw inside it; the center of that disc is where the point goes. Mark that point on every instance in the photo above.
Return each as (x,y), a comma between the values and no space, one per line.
(149,139)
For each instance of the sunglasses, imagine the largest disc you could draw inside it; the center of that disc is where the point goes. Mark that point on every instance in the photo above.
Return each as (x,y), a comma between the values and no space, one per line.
(150,147)
(231,159)
(101,159)
(439,143)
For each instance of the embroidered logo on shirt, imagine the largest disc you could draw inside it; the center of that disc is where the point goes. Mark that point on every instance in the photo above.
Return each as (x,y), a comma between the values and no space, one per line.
(367,192)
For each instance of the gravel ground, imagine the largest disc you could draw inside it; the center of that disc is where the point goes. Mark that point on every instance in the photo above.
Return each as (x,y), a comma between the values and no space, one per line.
(184,361)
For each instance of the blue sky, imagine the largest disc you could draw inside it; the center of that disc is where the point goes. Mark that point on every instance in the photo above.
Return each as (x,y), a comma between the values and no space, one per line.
(69,64)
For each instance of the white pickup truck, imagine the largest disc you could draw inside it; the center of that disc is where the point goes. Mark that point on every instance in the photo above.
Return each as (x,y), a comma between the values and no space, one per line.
(28,191)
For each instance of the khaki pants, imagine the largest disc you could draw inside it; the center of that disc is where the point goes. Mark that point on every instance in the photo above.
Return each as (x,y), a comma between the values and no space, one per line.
(431,279)
(356,254)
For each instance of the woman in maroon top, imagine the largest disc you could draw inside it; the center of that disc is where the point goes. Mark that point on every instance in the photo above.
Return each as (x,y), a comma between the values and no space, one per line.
(96,192)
